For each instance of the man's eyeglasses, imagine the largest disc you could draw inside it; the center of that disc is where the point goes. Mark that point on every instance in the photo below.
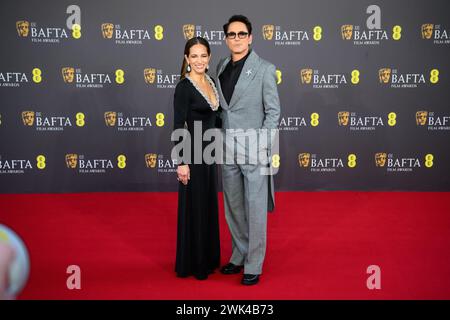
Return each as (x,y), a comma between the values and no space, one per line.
(241,35)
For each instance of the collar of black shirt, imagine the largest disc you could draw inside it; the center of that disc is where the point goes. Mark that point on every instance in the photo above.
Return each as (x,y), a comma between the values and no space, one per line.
(242,60)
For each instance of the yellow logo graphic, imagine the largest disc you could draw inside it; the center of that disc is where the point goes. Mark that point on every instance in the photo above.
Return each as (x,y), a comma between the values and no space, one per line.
(303,159)
(306,75)
(68,74)
(347,31)
(427,30)
(351,160)
(380,159)
(37,75)
(76,31)
(188,31)
(80,122)
(71,160)
(160,119)
(110,118)
(40,162)
(317,33)
(120,76)
(107,30)
(267,31)
(314,119)
(150,160)
(392,119)
(421,118)
(396,32)
(384,75)
(149,75)
(23,28)
(343,118)
(429,160)
(279,74)
(434,76)
(121,161)
(28,118)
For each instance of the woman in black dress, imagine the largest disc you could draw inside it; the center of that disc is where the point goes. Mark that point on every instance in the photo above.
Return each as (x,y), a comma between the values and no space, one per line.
(196,100)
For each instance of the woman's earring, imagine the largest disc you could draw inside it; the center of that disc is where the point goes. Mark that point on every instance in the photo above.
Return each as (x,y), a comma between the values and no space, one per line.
(207,68)
(188,68)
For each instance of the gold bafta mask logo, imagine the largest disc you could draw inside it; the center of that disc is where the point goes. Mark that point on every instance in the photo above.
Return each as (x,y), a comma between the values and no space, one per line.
(343,118)
(71,160)
(347,31)
(110,118)
(28,118)
(107,30)
(149,75)
(150,160)
(306,75)
(23,27)
(384,75)
(267,31)
(427,30)
(68,74)
(380,159)
(303,159)
(421,118)
(188,31)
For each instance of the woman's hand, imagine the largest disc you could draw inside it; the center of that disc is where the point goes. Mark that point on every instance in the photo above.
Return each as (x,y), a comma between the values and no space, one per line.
(183,174)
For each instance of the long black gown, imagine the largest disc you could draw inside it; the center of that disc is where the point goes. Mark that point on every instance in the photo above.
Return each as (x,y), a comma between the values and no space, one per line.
(198,246)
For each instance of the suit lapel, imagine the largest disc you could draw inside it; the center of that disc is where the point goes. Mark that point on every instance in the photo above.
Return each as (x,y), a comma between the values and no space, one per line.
(219,87)
(249,70)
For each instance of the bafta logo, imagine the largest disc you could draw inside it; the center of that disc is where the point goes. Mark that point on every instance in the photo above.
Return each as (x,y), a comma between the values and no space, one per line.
(427,31)
(23,27)
(110,118)
(188,31)
(380,159)
(268,31)
(150,160)
(71,160)
(421,118)
(384,75)
(347,31)
(107,30)
(306,75)
(303,159)
(28,118)
(149,75)
(68,74)
(343,118)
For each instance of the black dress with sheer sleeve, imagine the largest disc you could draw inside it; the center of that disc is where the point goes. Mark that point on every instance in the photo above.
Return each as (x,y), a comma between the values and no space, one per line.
(198,244)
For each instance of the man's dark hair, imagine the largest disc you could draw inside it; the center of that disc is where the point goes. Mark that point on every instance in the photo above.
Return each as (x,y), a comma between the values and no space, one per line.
(238,18)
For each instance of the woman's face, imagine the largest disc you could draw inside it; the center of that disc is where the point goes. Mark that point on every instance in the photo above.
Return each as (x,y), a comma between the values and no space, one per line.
(198,58)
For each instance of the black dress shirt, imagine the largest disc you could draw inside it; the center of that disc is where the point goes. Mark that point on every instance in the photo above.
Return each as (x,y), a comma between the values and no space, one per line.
(230,75)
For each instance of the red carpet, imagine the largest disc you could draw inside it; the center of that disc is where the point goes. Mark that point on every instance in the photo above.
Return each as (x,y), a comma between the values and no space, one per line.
(319,246)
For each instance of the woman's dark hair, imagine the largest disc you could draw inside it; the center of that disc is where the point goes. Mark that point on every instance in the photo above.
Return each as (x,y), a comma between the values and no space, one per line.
(187,47)
(238,18)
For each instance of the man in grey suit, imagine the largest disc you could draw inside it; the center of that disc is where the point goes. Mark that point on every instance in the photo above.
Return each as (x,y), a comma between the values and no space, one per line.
(249,99)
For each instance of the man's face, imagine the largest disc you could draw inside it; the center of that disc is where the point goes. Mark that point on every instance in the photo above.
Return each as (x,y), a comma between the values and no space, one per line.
(427,31)
(188,31)
(238,45)
(23,28)
(306,75)
(347,31)
(343,118)
(110,118)
(107,30)
(150,159)
(421,117)
(149,75)
(268,32)
(68,74)
(303,159)
(71,160)
(385,74)
(380,159)
(28,118)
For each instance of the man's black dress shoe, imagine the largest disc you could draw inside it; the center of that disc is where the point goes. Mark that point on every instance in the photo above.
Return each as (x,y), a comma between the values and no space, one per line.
(249,279)
(231,269)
